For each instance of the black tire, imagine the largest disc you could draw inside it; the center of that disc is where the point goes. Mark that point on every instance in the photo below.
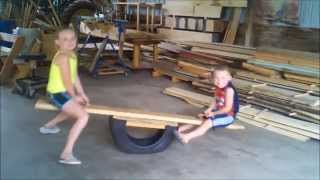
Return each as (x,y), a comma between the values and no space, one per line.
(73,7)
(128,144)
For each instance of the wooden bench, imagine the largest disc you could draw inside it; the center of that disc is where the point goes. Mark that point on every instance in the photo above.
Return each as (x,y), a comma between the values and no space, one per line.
(10,46)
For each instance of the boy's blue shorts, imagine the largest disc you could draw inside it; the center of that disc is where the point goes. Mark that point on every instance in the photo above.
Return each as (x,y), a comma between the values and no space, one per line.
(59,99)
(221,120)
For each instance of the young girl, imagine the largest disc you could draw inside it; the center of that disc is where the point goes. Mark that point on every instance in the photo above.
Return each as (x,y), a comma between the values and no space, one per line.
(66,92)
(221,112)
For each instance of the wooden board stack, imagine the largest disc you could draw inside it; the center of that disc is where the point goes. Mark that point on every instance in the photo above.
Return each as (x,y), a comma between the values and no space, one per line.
(278,123)
(192,62)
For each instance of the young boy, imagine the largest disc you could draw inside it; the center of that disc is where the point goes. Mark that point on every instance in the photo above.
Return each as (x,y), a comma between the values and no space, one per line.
(66,92)
(221,112)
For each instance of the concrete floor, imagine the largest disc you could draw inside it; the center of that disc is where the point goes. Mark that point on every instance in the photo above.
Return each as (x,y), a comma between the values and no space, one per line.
(252,153)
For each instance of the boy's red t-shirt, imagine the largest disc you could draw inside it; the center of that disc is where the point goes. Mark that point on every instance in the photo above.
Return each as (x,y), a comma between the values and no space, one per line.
(220,95)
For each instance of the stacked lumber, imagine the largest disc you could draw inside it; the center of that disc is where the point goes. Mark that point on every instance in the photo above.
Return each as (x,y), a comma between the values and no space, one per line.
(214,53)
(190,61)
(262,118)
(292,99)
(297,66)
(303,106)
(297,58)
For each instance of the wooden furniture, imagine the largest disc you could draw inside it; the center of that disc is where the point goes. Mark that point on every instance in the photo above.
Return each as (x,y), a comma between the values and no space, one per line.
(10,46)
(139,39)
(150,11)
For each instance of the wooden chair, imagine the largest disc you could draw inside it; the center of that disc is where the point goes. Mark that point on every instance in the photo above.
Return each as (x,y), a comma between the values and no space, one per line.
(10,47)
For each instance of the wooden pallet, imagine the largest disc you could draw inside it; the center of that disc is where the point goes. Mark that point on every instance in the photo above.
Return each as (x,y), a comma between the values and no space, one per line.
(175,77)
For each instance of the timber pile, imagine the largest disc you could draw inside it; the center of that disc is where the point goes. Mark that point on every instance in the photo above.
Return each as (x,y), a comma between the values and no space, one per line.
(262,118)
(205,55)
(297,66)
(292,99)
(298,105)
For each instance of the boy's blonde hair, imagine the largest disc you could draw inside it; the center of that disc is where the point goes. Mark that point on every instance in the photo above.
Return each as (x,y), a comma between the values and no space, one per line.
(220,68)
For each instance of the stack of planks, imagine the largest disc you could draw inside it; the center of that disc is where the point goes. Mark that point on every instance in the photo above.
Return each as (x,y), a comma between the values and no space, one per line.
(190,61)
(303,106)
(297,66)
(278,123)
(195,59)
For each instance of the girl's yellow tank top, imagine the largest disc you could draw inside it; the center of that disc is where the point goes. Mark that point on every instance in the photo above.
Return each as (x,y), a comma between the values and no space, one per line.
(55,81)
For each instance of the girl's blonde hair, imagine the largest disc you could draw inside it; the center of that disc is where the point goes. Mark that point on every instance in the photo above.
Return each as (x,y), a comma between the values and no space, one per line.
(63,30)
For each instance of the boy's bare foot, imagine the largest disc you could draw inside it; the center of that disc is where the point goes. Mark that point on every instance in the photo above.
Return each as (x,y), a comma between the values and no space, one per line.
(179,137)
(184,139)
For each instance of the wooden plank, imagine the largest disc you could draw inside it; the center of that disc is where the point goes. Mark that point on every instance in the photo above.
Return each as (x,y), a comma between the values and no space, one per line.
(231,32)
(222,47)
(215,25)
(192,68)
(196,97)
(146,121)
(274,129)
(280,119)
(277,82)
(145,125)
(180,35)
(305,71)
(180,8)
(261,70)
(167,69)
(298,58)
(228,3)
(222,53)
(202,10)
(287,128)
(127,113)
(302,79)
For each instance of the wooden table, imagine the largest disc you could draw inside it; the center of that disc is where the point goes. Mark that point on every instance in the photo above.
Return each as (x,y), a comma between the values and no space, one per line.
(137,43)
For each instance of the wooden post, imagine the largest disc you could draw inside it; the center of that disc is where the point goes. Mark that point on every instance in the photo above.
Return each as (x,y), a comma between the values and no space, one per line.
(248,35)
(173,21)
(156,51)
(161,17)
(116,10)
(147,23)
(152,19)
(136,56)
(125,13)
(54,13)
(138,17)
(121,44)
